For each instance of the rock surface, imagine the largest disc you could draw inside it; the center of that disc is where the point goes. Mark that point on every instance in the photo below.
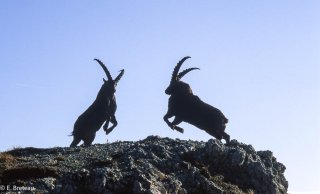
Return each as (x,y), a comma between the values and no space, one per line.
(153,165)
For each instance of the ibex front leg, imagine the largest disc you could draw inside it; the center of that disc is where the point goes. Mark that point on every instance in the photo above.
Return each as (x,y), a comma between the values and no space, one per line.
(174,123)
(114,122)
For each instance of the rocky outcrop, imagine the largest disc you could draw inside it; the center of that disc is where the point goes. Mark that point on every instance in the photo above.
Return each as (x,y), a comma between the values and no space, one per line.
(153,165)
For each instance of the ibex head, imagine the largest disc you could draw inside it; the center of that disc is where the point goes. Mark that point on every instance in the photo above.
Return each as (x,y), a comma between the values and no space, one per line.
(177,86)
(110,84)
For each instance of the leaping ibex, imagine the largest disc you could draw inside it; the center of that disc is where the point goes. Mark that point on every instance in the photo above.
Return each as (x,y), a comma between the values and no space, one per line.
(187,107)
(101,110)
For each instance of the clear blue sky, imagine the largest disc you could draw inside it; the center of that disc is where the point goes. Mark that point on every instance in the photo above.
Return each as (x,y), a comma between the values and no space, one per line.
(259,64)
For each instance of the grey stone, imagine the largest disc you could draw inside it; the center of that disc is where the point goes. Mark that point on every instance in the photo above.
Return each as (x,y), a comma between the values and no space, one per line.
(154,165)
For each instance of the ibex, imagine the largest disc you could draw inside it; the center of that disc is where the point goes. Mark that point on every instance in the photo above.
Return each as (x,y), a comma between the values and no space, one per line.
(187,107)
(101,110)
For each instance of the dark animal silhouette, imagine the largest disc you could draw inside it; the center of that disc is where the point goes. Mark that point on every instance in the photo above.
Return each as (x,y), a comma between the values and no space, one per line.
(187,107)
(101,110)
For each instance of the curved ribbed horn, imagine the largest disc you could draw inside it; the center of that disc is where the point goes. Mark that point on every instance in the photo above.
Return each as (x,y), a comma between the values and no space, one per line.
(176,69)
(184,72)
(119,76)
(105,69)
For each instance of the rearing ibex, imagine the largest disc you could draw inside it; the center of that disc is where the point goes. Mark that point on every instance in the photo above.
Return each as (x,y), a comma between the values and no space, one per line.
(187,107)
(101,110)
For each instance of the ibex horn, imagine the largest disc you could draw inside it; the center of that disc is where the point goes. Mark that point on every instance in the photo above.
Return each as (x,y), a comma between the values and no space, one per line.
(176,69)
(119,76)
(105,69)
(184,72)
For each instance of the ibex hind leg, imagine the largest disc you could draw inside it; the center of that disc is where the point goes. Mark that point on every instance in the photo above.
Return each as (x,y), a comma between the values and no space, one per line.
(226,137)
(214,133)
(75,142)
(87,141)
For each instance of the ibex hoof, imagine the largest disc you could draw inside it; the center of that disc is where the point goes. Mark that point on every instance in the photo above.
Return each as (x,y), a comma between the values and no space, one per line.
(178,129)
(108,131)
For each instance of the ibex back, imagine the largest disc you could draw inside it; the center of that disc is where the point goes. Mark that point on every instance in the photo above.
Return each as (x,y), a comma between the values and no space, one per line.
(187,107)
(101,110)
